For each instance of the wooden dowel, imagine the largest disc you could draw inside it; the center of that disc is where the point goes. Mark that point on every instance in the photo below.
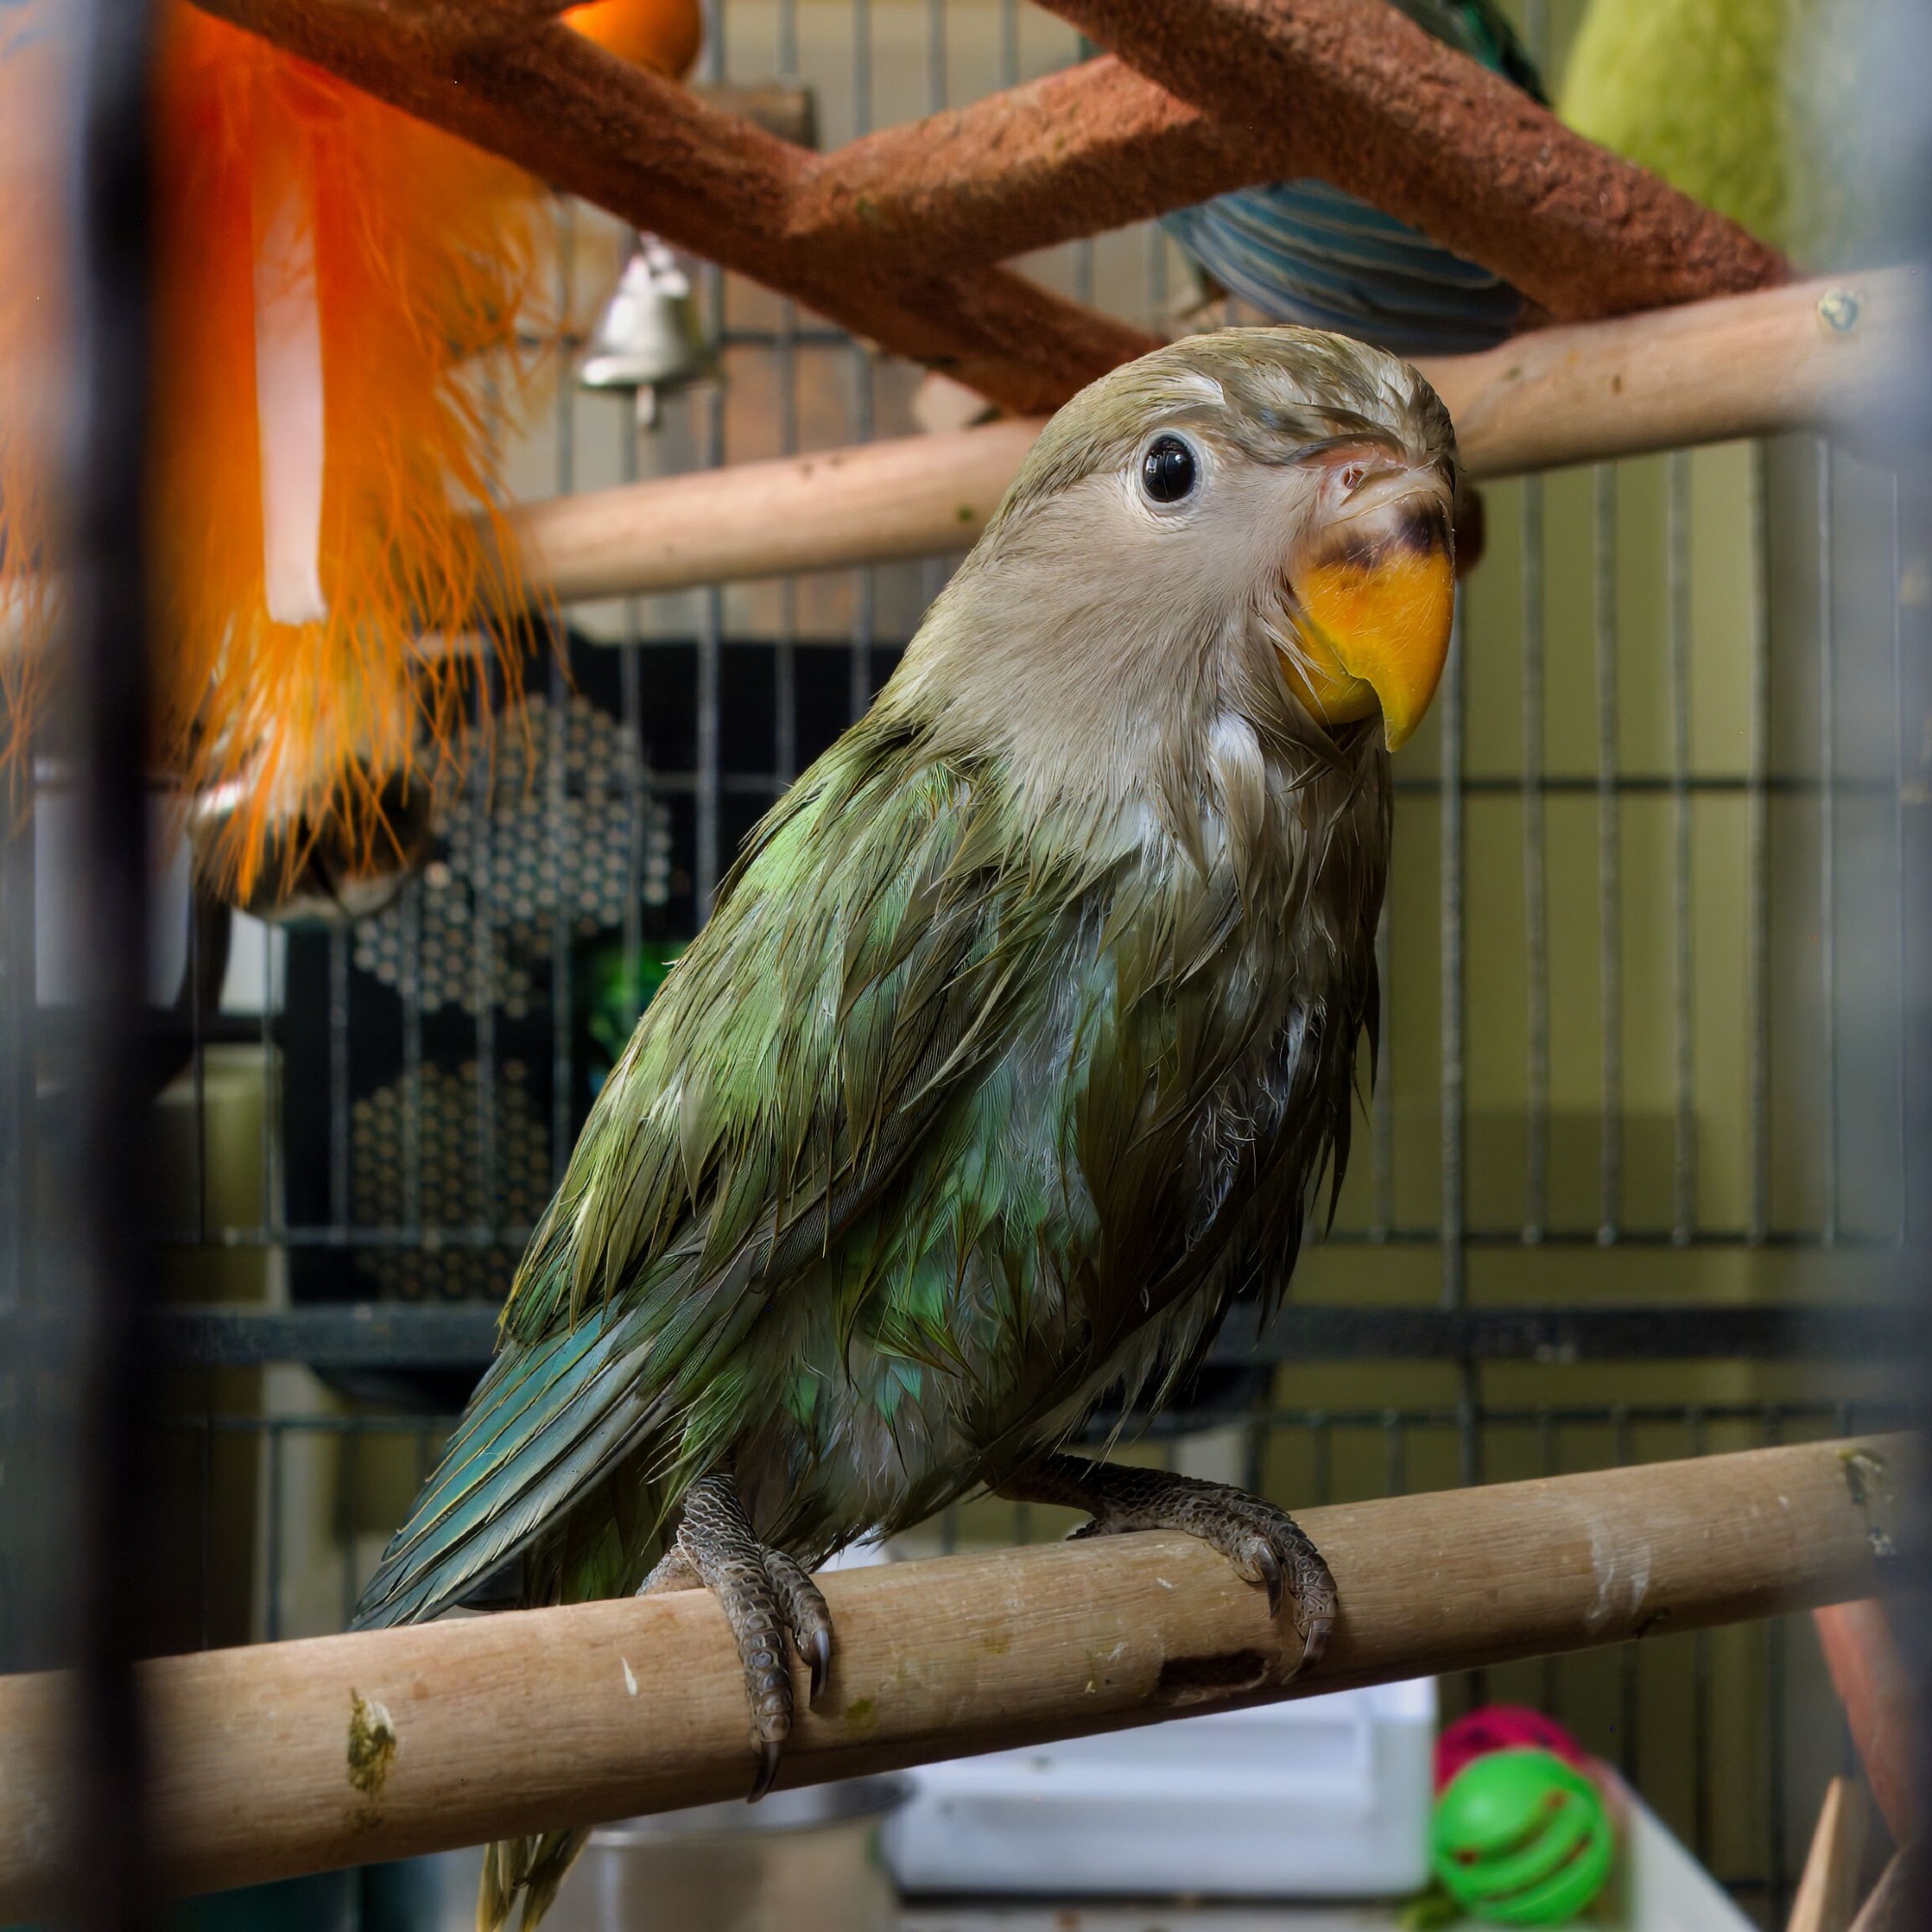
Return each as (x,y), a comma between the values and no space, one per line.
(1899,1900)
(1880,1706)
(1795,357)
(295,1757)
(1827,1891)
(1744,366)
(905,496)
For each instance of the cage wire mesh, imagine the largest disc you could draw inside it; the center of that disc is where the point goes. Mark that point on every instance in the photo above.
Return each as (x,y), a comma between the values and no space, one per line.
(1644,964)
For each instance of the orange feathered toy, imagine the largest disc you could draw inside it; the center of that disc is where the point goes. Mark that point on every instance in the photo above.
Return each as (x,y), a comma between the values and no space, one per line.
(340,294)
(337,286)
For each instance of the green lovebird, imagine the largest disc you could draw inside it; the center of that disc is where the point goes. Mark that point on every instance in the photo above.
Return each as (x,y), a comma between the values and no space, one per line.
(1018,1043)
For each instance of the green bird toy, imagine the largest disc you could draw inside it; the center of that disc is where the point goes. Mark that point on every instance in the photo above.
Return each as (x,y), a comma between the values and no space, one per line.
(1018,1043)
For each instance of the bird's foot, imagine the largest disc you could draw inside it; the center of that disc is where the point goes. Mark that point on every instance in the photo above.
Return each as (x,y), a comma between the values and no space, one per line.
(772,1606)
(1264,1544)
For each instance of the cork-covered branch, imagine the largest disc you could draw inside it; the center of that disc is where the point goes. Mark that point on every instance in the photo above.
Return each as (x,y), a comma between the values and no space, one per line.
(652,153)
(1438,141)
(1076,153)
(895,237)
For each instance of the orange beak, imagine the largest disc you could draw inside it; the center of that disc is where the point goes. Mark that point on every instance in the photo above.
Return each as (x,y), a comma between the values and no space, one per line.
(1374,618)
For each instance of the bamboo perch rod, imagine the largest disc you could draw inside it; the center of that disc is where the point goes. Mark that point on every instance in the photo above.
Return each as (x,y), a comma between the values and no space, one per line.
(905,496)
(294,1757)
(1744,365)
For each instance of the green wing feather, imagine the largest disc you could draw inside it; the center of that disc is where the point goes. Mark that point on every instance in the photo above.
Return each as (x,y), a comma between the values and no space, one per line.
(853,982)
(942,1117)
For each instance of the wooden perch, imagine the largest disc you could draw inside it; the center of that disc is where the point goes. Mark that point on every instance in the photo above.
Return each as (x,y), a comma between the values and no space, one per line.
(1880,1706)
(905,496)
(1748,365)
(1436,138)
(295,1757)
(1827,1891)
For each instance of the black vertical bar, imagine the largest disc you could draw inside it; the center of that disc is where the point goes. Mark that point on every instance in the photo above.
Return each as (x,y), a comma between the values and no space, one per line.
(1609,856)
(205,1526)
(637,814)
(348,1472)
(106,701)
(557,748)
(1683,1143)
(410,986)
(271,1089)
(1453,1233)
(197,1064)
(338,1082)
(19,1161)
(1700,1702)
(707,863)
(1776,1770)
(1535,875)
(483,965)
(784,646)
(271,1607)
(1900,875)
(1828,839)
(859,688)
(1454,1253)
(1382,1105)
(1758,858)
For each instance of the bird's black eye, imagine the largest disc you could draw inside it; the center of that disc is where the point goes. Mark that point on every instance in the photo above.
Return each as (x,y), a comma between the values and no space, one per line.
(1167,470)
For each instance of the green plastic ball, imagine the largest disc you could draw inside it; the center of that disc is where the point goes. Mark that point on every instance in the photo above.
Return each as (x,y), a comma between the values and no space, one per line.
(1521,1838)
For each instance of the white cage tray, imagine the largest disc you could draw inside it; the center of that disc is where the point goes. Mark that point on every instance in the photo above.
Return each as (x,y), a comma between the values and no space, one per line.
(1324,1798)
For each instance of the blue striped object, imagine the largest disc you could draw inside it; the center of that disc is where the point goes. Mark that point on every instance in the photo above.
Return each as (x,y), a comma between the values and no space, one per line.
(1304,251)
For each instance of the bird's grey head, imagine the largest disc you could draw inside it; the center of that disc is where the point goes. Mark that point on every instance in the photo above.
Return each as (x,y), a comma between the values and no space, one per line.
(1256,520)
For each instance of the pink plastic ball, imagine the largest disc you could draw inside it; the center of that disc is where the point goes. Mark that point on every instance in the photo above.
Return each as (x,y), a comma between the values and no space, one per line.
(1502,1727)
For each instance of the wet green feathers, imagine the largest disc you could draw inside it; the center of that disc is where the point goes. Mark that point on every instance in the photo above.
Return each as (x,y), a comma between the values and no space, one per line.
(911,1101)
(1017,1042)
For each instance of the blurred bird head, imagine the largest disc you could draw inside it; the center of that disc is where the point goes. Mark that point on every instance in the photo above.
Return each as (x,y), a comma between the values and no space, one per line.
(1255,523)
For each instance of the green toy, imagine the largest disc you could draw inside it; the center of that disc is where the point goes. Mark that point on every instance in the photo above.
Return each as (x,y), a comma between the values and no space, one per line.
(1521,1838)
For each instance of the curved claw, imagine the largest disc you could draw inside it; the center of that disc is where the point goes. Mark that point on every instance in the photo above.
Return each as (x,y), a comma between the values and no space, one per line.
(1269,1564)
(1314,1643)
(818,1655)
(770,1751)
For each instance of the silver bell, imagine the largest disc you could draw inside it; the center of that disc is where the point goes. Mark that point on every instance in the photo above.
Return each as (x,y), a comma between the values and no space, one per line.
(649,338)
